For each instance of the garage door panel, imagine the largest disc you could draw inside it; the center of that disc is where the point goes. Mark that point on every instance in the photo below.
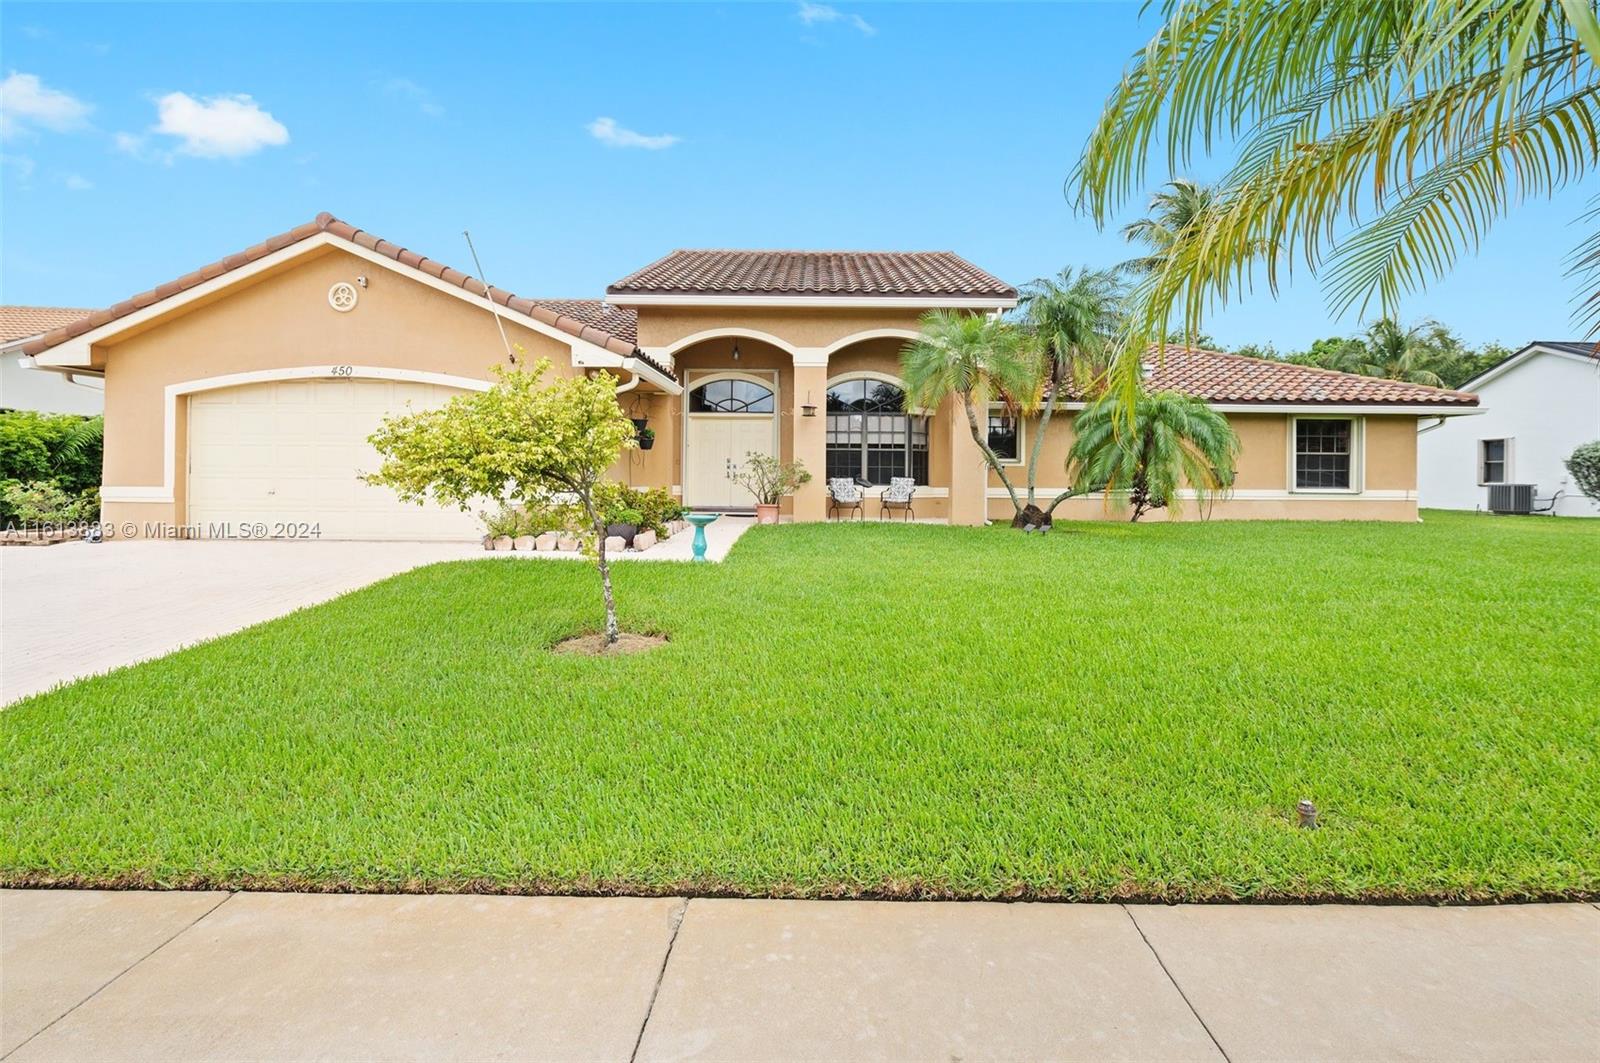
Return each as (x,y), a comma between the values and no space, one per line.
(293,451)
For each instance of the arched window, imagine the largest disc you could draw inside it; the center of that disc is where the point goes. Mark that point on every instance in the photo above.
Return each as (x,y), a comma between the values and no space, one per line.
(730,396)
(870,434)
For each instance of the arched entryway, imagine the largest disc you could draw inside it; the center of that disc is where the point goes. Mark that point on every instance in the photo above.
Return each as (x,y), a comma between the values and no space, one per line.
(728,416)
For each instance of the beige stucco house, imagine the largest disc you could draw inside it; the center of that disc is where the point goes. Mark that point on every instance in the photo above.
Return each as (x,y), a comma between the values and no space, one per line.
(243,393)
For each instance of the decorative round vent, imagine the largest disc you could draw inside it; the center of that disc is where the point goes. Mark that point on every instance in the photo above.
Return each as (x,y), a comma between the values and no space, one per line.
(342,297)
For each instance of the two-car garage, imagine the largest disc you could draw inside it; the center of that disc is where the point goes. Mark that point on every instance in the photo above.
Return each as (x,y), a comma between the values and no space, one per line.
(288,455)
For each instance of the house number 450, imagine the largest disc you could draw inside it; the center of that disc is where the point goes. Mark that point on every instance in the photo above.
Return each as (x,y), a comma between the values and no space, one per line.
(343,370)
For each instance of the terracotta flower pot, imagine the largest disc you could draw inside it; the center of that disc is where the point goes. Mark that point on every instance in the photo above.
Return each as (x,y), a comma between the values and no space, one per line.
(766,514)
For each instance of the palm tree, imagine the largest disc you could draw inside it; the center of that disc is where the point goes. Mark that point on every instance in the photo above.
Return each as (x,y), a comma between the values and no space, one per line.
(1073,318)
(1374,143)
(1173,213)
(973,358)
(1394,353)
(1174,440)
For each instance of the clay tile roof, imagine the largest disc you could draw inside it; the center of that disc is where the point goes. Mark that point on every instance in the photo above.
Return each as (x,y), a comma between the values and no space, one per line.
(20,322)
(586,319)
(865,273)
(1236,378)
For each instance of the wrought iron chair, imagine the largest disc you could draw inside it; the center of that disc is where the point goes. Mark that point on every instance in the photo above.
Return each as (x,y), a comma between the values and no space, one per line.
(897,497)
(844,496)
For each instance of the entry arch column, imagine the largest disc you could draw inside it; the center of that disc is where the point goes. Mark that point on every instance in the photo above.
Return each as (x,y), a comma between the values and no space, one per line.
(810,502)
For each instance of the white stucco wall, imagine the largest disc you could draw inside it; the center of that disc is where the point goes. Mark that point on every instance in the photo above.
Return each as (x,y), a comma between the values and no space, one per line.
(36,389)
(1546,405)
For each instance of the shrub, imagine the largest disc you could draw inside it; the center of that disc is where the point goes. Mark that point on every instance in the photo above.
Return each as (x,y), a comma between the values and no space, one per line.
(63,449)
(1584,465)
(505,521)
(44,502)
(653,507)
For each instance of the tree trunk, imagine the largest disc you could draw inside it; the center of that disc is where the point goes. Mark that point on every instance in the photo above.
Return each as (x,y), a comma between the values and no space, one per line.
(988,455)
(612,630)
(1044,426)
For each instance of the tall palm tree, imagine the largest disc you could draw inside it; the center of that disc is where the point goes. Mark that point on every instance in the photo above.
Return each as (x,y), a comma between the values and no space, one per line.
(973,358)
(1174,440)
(1074,319)
(1386,350)
(1177,210)
(1375,143)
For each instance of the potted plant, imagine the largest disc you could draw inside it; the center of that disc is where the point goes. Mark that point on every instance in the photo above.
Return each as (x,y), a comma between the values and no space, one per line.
(625,524)
(769,479)
(647,438)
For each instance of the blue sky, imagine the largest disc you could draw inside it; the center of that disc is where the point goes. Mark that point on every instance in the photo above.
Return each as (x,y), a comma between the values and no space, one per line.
(131,153)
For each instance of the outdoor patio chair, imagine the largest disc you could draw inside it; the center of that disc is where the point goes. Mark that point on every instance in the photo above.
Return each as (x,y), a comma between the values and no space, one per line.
(897,497)
(843,497)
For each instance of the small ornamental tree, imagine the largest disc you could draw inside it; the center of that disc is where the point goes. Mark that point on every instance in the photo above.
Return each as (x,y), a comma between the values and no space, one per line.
(522,440)
(1584,465)
(1173,440)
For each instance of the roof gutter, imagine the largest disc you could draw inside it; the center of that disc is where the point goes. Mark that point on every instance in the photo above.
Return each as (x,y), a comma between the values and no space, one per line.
(84,378)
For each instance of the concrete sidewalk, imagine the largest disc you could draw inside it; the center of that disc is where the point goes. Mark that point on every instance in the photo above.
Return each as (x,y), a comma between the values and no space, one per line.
(94,975)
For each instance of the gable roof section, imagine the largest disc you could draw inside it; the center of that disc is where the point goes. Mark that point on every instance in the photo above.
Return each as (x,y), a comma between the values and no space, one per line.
(577,318)
(892,274)
(22,322)
(1236,379)
(1575,349)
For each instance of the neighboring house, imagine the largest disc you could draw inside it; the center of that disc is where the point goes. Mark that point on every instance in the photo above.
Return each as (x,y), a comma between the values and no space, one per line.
(1539,405)
(25,388)
(245,391)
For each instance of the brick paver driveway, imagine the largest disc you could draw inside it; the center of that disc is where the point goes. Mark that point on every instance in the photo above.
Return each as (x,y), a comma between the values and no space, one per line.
(77,609)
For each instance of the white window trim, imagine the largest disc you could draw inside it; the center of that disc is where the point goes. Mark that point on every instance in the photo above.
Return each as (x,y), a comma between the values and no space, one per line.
(1506,474)
(1022,433)
(887,378)
(1358,455)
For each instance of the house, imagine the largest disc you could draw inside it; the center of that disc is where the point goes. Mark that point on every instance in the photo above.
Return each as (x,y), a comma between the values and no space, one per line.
(1539,405)
(244,391)
(22,387)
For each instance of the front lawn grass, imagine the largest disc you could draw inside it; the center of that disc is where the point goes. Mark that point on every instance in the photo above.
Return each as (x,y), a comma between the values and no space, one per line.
(1108,711)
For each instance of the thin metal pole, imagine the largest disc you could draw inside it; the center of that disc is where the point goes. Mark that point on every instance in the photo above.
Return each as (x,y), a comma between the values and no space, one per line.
(489,293)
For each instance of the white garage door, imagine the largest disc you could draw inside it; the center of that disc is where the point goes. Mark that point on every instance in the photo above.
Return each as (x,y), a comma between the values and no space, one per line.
(291,452)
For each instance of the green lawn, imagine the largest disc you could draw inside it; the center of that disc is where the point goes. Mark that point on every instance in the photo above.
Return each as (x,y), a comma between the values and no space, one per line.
(1107,711)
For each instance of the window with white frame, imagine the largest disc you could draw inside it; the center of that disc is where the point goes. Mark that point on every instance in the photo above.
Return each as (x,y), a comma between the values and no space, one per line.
(871,436)
(1324,454)
(1493,460)
(1005,435)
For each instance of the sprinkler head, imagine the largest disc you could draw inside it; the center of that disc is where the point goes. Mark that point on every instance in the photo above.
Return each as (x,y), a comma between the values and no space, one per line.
(1308,813)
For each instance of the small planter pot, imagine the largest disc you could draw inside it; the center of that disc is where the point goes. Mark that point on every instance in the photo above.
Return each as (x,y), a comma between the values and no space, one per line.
(523,543)
(646,442)
(625,532)
(640,423)
(766,514)
(503,542)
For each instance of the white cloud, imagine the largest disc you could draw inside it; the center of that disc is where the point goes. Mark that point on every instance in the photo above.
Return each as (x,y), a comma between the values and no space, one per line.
(77,182)
(411,92)
(608,132)
(27,104)
(217,127)
(812,14)
(128,142)
(19,165)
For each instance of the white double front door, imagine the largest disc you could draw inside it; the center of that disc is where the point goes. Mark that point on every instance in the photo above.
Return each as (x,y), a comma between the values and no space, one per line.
(718,445)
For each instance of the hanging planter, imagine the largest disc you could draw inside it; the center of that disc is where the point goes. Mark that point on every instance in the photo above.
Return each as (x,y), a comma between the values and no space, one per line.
(647,438)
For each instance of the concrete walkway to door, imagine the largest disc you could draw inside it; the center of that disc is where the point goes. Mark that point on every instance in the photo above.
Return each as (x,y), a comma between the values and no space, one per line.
(92,975)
